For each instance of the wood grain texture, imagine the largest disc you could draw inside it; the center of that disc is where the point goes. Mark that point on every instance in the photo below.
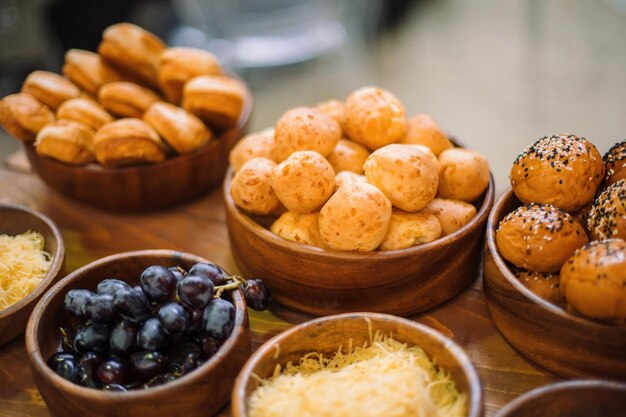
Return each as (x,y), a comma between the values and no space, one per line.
(15,220)
(203,392)
(564,343)
(329,333)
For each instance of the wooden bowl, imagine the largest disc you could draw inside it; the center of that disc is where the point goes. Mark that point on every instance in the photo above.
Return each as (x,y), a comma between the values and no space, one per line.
(327,334)
(144,187)
(15,220)
(563,343)
(570,399)
(201,393)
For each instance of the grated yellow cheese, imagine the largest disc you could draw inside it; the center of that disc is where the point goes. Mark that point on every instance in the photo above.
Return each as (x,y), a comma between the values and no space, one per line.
(23,265)
(385,378)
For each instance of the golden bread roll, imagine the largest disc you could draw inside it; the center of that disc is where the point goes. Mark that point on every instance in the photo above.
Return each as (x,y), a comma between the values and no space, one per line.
(421,129)
(607,217)
(348,156)
(410,229)
(305,129)
(545,285)
(86,111)
(355,218)
(452,214)
(133,51)
(23,116)
(334,109)
(299,228)
(303,182)
(49,88)
(183,131)
(615,163)
(593,280)
(127,142)
(374,117)
(88,71)
(562,170)
(347,177)
(463,174)
(254,145)
(215,99)
(179,65)
(251,188)
(405,174)
(539,237)
(66,141)
(126,99)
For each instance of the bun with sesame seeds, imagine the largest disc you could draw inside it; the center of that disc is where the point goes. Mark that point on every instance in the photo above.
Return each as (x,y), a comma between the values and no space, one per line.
(545,285)
(539,237)
(607,217)
(562,170)
(615,163)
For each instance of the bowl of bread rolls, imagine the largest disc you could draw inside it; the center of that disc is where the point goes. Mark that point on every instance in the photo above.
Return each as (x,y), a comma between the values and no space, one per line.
(350,206)
(555,258)
(136,126)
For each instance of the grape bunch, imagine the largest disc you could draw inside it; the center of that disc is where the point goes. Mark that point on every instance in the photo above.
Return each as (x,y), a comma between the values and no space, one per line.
(124,338)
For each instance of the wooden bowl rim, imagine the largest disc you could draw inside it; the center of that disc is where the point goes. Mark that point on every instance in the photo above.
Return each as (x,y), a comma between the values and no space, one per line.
(39,363)
(492,223)
(238,401)
(530,396)
(58,257)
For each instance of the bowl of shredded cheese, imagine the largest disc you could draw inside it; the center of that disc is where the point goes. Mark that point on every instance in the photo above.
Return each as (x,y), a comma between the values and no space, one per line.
(358,364)
(32,255)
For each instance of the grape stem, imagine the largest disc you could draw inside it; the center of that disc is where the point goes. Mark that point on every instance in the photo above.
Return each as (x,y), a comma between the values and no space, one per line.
(237,282)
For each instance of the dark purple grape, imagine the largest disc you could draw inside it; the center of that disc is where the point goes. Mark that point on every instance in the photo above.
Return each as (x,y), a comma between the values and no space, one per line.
(211,271)
(66,365)
(158,283)
(174,318)
(90,362)
(191,362)
(219,319)
(113,371)
(257,294)
(111,285)
(178,272)
(195,320)
(151,335)
(100,309)
(209,345)
(147,365)
(178,353)
(94,337)
(75,300)
(113,388)
(132,305)
(160,380)
(123,340)
(195,290)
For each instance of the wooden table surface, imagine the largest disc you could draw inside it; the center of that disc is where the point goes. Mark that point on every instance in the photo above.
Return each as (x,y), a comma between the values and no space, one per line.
(199,228)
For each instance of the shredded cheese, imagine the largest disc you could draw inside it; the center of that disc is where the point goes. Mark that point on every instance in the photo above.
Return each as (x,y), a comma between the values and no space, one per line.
(385,378)
(23,265)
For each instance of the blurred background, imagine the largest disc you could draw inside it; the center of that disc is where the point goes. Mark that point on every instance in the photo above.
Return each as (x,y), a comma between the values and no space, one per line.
(498,74)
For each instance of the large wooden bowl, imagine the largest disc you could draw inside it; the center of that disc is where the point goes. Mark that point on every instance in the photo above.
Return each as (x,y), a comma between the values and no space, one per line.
(563,343)
(144,187)
(327,334)
(570,399)
(200,393)
(15,220)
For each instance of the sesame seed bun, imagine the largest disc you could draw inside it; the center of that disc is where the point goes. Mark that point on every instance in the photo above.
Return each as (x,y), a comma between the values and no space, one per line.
(607,217)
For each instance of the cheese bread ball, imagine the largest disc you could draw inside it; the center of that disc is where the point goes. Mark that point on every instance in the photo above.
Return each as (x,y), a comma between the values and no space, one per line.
(299,228)
(452,214)
(539,237)
(607,217)
(355,218)
(562,170)
(374,117)
(615,163)
(305,129)
(254,145)
(251,187)
(348,156)
(545,285)
(421,129)
(410,229)
(303,182)
(463,174)
(405,174)
(593,280)
(335,109)
(347,177)
(23,116)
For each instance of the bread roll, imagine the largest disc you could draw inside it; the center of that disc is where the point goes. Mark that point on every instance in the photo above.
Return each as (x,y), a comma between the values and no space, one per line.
(615,163)
(179,65)
(410,229)
(66,141)
(86,111)
(49,88)
(254,145)
(88,71)
(452,214)
(299,228)
(421,129)
(607,217)
(217,100)
(126,99)
(183,131)
(23,116)
(334,109)
(545,285)
(128,142)
(463,174)
(348,177)
(348,156)
(251,188)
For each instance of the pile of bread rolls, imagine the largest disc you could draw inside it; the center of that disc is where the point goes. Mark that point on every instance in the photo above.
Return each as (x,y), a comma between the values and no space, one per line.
(568,240)
(136,101)
(357,175)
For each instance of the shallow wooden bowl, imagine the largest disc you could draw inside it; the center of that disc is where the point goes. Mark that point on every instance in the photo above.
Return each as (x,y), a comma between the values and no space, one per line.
(144,187)
(327,334)
(570,399)
(201,393)
(15,220)
(563,343)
